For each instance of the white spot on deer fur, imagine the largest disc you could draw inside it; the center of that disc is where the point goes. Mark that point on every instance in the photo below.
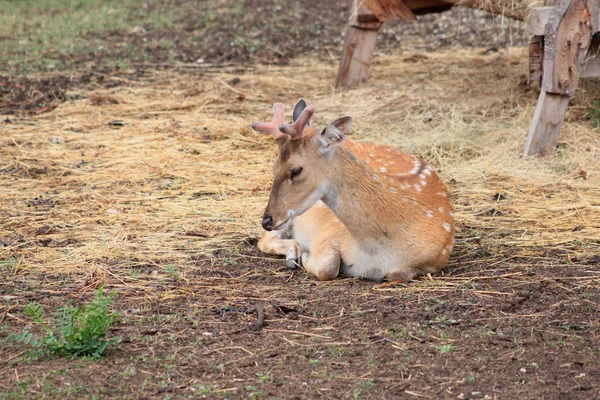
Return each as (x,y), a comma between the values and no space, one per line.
(442,194)
(451,213)
(423,183)
(392,163)
(427,171)
(404,186)
(422,176)
(416,168)
(447,226)
(441,209)
(429,213)
(444,251)
(417,187)
(383,169)
(371,155)
(414,202)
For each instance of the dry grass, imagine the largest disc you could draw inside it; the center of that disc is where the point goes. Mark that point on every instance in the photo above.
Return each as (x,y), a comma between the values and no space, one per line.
(518,9)
(172,170)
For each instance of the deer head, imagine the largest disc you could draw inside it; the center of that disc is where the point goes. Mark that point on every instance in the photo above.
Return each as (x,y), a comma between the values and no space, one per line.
(303,166)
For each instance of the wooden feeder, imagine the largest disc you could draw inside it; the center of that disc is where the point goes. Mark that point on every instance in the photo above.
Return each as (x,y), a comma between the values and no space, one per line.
(562,49)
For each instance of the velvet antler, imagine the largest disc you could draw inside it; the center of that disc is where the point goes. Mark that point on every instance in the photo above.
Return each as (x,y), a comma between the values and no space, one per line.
(296,130)
(272,127)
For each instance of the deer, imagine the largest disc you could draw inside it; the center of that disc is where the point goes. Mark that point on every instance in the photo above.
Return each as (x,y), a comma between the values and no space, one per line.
(357,209)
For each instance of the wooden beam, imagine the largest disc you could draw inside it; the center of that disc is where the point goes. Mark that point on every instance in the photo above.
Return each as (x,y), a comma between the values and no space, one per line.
(390,10)
(545,127)
(566,41)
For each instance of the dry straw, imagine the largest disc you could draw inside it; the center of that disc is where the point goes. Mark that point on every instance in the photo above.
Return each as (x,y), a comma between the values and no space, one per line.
(169,169)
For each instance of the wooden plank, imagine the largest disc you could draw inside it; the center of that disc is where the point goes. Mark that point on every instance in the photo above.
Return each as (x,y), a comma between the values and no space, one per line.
(536,53)
(538,18)
(566,41)
(545,127)
(356,57)
(390,10)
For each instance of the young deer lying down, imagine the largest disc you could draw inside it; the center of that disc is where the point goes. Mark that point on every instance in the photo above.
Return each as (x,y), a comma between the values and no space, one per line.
(361,209)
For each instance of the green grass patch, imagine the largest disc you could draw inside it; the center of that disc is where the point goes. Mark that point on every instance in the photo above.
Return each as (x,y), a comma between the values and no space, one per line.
(61,35)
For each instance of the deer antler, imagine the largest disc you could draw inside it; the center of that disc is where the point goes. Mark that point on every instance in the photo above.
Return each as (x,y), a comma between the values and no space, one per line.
(296,130)
(272,127)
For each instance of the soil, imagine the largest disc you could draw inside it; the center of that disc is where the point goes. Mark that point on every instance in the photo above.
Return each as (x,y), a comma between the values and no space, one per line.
(262,31)
(522,329)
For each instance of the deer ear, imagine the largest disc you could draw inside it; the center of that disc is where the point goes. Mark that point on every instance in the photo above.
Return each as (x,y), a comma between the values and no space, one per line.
(298,108)
(335,133)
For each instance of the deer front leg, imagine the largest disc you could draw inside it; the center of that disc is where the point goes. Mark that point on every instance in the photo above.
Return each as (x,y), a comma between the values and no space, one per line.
(324,260)
(273,243)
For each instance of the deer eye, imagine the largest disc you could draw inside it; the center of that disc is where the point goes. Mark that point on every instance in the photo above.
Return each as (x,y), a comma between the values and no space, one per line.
(296,172)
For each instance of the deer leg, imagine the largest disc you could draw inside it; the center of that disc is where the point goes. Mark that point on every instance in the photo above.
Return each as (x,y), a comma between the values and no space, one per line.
(273,243)
(324,260)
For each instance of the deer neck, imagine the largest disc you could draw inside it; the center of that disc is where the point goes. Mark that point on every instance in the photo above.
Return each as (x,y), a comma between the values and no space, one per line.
(359,197)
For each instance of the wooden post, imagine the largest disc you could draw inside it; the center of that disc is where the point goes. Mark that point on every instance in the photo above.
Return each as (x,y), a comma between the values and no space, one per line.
(358,47)
(361,35)
(567,38)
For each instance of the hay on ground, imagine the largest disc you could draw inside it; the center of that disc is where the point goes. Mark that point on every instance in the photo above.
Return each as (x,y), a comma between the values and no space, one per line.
(173,171)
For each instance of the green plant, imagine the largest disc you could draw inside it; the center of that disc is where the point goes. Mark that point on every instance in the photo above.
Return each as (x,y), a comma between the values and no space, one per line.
(75,331)
(445,348)
(173,271)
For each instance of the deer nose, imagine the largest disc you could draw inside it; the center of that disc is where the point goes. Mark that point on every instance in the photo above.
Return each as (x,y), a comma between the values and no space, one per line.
(267,223)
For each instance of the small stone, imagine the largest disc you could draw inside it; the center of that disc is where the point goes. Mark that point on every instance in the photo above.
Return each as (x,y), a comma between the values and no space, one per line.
(138,30)
(112,211)
(487,397)
(477,395)
(523,370)
(58,140)
(207,333)
(461,396)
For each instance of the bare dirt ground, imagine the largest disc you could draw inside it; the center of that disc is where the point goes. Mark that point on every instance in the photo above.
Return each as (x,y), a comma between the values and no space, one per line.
(150,181)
